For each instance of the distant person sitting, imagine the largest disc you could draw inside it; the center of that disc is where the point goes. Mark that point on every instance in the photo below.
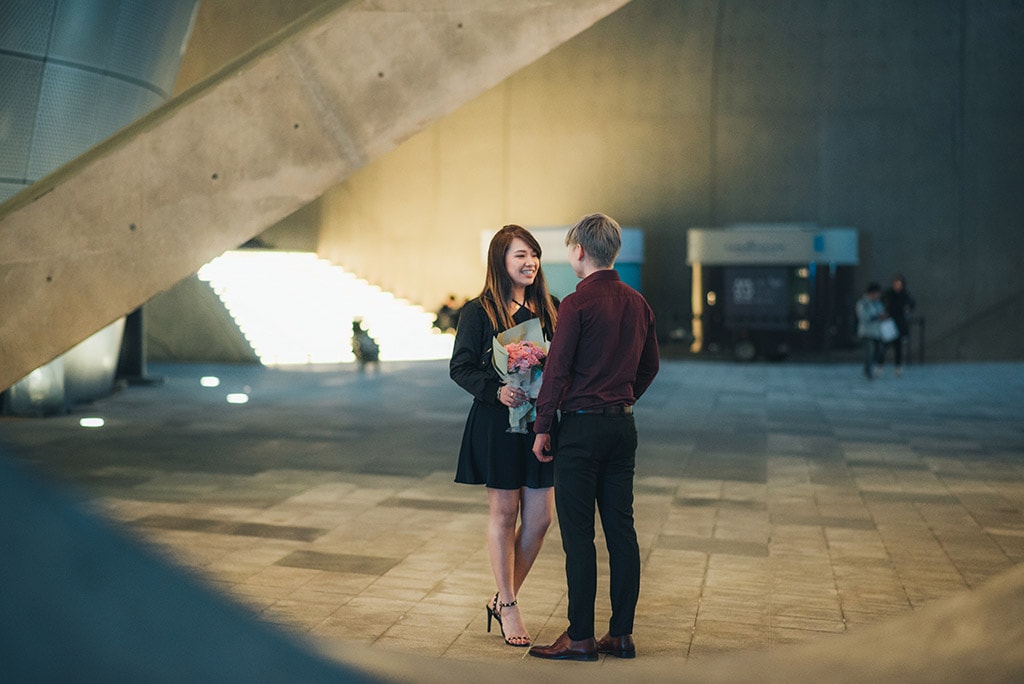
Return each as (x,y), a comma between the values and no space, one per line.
(447,319)
(364,347)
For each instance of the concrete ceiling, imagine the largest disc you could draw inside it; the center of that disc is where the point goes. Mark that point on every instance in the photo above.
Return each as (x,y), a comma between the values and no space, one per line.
(245,148)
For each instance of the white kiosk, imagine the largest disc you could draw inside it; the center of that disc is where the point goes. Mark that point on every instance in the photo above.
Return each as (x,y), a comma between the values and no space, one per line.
(768,289)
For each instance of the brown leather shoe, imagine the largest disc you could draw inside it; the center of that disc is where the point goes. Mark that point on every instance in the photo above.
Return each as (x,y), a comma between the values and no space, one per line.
(620,646)
(565,648)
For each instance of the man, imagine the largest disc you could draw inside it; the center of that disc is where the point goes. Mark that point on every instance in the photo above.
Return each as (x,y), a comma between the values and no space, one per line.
(899,305)
(603,356)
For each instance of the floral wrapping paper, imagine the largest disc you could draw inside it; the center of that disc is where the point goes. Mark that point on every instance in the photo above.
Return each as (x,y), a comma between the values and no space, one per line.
(518,357)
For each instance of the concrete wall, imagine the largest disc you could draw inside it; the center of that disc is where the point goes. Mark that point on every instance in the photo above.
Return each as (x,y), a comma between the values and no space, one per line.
(225,29)
(899,119)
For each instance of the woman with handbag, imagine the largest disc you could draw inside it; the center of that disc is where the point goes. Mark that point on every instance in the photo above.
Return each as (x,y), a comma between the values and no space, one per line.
(870,314)
(519,487)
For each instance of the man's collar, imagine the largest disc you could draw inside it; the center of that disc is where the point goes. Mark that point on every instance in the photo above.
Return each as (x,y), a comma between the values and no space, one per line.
(600,274)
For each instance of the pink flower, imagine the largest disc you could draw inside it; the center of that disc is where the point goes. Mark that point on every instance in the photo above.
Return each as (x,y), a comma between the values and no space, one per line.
(524,356)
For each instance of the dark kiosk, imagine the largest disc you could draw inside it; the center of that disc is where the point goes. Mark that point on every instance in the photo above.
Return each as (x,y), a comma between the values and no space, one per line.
(769,289)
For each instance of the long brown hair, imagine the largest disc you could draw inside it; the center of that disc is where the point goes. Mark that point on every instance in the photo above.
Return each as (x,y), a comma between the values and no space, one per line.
(498,285)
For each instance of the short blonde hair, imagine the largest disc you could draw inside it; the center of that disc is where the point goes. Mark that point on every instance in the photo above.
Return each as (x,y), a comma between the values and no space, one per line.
(599,235)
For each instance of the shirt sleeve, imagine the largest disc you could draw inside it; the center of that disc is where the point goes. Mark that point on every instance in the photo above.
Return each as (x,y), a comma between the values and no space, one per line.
(561,356)
(649,359)
(470,365)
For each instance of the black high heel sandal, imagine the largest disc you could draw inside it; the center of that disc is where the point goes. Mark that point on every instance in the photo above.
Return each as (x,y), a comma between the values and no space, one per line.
(494,611)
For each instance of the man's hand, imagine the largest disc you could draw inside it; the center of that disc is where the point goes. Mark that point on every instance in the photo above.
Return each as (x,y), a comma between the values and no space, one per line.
(542,448)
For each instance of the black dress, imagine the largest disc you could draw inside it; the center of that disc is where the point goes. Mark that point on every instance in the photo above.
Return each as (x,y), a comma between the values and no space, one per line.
(489,455)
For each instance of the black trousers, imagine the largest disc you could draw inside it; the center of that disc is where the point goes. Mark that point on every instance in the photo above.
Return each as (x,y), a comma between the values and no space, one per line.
(595,458)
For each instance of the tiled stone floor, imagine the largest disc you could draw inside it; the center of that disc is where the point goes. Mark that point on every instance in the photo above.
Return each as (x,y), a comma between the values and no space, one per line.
(775,503)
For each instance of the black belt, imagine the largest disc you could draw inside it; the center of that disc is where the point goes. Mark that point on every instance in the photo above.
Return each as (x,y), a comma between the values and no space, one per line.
(608,411)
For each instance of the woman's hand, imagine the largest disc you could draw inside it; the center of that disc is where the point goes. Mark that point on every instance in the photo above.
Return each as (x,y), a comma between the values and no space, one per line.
(513,397)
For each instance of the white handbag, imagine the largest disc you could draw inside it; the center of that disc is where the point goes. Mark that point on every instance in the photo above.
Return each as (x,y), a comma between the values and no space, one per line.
(888,330)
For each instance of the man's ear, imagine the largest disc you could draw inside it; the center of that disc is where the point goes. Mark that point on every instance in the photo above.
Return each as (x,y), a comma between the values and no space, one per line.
(577,252)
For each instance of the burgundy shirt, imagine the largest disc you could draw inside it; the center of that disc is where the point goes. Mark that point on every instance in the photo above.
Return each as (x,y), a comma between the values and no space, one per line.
(604,351)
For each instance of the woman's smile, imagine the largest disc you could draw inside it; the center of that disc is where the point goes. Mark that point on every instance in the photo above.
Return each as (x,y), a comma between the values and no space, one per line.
(522,263)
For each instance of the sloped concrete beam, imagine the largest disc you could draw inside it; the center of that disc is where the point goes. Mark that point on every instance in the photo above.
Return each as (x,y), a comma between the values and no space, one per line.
(264,136)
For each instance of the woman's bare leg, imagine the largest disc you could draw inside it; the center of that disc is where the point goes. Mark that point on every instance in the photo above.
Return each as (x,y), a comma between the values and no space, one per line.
(504,505)
(537,509)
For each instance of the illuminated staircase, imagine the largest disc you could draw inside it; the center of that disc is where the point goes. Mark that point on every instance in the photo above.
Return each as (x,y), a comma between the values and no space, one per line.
(295,308)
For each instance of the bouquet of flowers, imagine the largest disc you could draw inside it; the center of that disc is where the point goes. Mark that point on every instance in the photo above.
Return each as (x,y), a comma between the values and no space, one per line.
(519,355)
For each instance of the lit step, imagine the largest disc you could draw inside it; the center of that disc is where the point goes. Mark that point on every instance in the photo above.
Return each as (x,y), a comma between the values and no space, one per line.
(296,308)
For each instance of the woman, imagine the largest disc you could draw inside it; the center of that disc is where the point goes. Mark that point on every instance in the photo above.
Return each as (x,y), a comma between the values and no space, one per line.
(870,314)
(518,485)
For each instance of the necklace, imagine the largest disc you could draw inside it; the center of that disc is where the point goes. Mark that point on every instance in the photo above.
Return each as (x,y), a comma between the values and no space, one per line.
(521,305)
